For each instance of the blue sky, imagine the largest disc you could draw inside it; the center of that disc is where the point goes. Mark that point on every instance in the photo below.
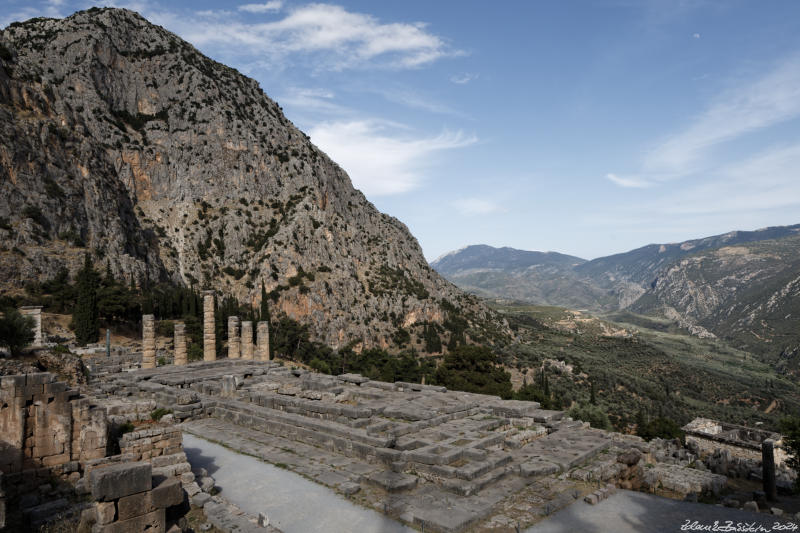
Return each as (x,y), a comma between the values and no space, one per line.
(587,128)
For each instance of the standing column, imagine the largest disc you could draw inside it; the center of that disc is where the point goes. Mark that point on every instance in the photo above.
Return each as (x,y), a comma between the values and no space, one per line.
(148,341)
(768,469)
(247,339)
(35,312)
(180,343)
(262,334)
(209,337)
(234,348)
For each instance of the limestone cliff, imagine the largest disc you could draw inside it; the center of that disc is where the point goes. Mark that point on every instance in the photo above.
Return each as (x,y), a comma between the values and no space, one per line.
(119,138)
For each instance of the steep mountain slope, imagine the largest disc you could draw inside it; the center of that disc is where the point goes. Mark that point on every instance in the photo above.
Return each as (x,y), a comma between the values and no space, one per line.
(119,138)
(639,267)
(747,293)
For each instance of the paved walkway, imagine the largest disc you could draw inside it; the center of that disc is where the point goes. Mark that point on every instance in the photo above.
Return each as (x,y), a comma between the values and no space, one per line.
(292,503)
(637,512)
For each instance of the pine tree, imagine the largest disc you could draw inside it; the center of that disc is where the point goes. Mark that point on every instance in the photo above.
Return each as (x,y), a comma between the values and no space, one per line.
(592,396)
(87,328)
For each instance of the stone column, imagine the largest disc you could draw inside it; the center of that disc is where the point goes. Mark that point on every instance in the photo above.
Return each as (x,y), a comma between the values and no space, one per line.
(768,469)
(180,344)
(35,312)
(247,339)
(262,334)
(234,344)
(148,341)
(209,337)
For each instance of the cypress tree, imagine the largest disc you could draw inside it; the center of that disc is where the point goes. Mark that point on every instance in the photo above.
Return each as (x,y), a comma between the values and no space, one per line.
(87,327)
(264,304)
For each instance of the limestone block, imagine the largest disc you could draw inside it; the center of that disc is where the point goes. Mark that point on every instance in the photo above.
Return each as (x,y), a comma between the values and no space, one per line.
(105,512)
(153,521)
(168,493)
(135,505)
(119,480)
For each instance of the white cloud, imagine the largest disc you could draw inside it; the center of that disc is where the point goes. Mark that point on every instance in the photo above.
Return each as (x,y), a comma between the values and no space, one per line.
(462,79)
(317,100)
(629,182)
(382,158)
(696,35)
(334,37)
(273,5)
(416,101)
(477,206)
(772,99)
(767,180)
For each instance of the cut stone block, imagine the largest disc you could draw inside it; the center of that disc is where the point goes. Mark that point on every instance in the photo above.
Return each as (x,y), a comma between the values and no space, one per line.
(116,481)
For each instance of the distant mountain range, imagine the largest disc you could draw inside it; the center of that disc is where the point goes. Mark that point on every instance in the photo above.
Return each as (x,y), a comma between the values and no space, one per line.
(743,286)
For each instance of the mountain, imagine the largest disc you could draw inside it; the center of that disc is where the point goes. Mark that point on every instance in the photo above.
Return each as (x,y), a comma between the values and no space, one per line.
(546,278)
(741,286)
(746,293)
(119,139)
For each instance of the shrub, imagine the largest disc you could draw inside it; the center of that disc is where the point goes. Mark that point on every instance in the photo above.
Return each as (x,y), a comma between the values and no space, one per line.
(16,330)
(593,414)
(662,428)
(159,413)
(194,352)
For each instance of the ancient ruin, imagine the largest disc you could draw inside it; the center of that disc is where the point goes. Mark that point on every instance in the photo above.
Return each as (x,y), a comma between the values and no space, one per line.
(739,441)
(263,340)
(180,344)
(209,336)
(234,346)
(247,340)
(148,341)
(435,459)
(35,312)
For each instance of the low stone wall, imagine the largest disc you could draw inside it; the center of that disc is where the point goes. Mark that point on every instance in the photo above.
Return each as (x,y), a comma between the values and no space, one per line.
(707,446)
(153,442)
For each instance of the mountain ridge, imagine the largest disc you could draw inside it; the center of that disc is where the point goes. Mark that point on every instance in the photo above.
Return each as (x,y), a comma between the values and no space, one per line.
(729,285)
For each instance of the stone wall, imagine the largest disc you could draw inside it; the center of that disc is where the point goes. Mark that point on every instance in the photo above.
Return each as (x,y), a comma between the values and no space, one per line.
(128,501)
(43,423)
(152,442)
(707,446)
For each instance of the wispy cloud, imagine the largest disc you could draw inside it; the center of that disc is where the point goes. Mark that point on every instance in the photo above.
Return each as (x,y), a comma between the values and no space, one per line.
(745,108)
(477,206)
(383,158)
(267,7)
(316,100)
(415,100)
(629,182)
(462,79)
(766,180)
(772,99)
(329,35)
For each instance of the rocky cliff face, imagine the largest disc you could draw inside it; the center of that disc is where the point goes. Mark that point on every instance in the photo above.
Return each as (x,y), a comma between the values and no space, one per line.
(747,293)
(119,138)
